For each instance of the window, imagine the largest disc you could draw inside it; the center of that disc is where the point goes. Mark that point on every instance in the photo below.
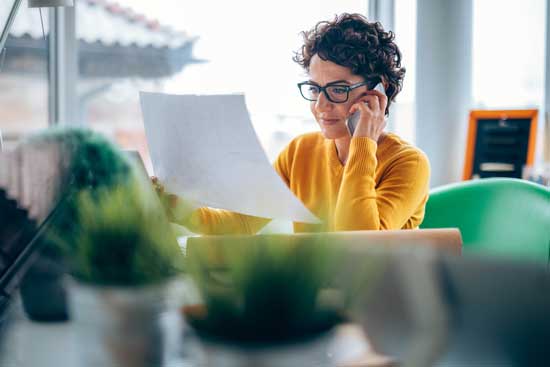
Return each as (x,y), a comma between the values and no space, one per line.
(200,48)
(403,119)
(24,75)
(508,53)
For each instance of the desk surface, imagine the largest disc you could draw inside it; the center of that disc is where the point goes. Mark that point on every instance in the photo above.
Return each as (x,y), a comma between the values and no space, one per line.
(30,344)
(439,239)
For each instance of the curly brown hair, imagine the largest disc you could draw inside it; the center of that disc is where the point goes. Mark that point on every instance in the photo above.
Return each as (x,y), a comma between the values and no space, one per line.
(352,41)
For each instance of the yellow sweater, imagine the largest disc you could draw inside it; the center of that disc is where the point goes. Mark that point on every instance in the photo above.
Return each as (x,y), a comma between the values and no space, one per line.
(380,187)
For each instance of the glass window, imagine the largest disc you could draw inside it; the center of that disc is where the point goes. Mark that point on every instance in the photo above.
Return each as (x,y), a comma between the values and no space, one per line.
(24,74)
(508,53)
(201,48)
(403,112)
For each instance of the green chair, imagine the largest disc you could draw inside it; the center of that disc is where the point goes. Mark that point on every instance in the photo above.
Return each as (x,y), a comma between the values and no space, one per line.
(496,216)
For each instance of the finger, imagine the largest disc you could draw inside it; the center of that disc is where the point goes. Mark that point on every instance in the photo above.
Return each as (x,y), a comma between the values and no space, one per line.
(159,188)
(383,102)
(355,107)
(381,98)
(362,103)
(172,200)
(376,93)
(372,101)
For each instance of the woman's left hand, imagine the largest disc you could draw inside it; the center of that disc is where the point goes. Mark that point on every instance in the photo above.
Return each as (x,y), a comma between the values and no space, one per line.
(372,121)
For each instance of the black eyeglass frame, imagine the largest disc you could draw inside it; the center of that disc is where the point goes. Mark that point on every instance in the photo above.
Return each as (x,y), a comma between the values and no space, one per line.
(348,88)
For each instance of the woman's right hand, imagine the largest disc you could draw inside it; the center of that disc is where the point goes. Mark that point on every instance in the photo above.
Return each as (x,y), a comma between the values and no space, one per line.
(177,209)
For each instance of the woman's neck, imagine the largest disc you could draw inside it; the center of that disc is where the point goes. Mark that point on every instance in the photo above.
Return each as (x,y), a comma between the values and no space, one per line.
(342,148)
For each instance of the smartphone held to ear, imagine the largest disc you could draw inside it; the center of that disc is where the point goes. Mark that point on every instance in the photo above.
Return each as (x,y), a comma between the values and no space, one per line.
(353,120)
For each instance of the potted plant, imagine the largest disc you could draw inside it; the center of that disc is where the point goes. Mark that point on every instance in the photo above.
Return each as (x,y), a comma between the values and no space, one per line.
(270,303)
(112,236)
(90,161)
(125,262)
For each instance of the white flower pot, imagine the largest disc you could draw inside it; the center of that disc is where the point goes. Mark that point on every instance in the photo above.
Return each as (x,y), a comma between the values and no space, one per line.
(127,326)
(311,352)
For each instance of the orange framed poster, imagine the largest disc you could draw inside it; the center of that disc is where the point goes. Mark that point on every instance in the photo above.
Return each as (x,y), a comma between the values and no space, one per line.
(500,143)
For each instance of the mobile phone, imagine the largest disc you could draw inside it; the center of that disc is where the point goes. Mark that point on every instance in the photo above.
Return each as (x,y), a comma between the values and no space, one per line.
(354,119)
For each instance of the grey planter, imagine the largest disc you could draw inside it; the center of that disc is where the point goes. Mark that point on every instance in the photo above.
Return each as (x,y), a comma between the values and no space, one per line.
(44,281)
(125,326)
(312,352)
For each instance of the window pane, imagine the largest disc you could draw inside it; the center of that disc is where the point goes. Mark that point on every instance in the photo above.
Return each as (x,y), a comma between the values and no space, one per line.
(23,75)
(508,54)
(403,112)
(211,50)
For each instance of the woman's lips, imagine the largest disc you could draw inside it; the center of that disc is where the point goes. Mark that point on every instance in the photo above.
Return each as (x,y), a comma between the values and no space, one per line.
(329,122)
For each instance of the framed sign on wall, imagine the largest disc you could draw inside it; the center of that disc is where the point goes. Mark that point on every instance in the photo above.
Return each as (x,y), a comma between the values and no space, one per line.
(500,143)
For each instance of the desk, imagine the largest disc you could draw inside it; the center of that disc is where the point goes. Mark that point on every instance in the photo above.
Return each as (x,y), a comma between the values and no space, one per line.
(30,344)
(448,240)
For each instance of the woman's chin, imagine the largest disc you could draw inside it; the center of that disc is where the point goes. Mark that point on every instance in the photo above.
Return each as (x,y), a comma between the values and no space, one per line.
(334,133)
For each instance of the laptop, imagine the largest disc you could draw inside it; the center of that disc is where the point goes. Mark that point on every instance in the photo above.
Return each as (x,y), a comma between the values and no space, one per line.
(422,304)
(499,312)
(459,311)
(136,159)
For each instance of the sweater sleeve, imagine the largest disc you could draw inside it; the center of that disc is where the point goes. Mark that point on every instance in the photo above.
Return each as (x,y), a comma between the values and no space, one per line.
(210,221)
(363,206)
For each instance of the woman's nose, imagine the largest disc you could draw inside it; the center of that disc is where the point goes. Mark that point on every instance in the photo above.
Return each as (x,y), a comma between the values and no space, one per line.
(322,103)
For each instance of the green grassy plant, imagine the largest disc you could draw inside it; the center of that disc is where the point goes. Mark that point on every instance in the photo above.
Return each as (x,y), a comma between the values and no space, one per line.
(123,238)
(268,292)
(111,229)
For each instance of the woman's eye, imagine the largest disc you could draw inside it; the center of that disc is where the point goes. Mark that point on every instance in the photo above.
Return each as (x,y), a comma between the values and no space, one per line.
(339,90)
(313,89)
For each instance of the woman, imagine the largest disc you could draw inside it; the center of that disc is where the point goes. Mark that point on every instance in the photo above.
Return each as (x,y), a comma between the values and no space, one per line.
(370,180)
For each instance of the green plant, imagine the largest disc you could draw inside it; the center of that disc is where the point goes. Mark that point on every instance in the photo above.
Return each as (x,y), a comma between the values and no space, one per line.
(123,238)
(111,228)
(267,292)
(93,163)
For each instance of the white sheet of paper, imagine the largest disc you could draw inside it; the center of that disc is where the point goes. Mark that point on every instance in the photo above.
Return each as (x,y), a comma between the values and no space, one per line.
(204,149)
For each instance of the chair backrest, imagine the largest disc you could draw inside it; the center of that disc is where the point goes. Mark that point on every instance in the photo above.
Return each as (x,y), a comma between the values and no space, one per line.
(499,216)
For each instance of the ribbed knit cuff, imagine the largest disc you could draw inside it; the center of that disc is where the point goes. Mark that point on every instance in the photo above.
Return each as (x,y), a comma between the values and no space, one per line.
(362,156)
(194,221)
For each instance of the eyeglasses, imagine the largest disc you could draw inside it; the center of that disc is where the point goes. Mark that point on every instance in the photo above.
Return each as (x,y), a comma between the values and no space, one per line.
(336,93)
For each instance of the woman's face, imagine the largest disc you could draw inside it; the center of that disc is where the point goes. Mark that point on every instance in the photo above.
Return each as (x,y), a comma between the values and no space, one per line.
(330,116)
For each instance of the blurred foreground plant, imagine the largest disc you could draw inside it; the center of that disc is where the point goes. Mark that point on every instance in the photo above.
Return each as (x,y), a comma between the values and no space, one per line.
(267,291)
(112,229)
(123,238)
